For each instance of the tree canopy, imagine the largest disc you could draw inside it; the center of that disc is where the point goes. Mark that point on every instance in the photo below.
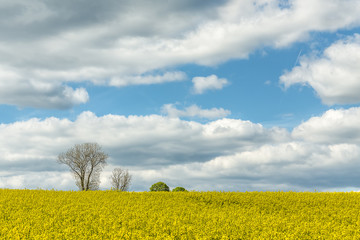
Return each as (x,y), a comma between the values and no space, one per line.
(159,186)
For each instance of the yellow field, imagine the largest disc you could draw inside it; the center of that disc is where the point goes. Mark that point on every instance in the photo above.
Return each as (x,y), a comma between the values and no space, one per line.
(40,214)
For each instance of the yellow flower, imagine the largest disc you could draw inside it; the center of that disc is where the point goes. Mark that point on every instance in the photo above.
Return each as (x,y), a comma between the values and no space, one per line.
(40,214)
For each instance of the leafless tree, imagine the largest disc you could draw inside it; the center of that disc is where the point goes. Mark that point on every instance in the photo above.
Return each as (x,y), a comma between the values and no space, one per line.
(120,179)
(86,162)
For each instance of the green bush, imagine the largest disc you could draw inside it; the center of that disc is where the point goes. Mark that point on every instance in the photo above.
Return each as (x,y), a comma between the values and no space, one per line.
(159,186)
(179,189)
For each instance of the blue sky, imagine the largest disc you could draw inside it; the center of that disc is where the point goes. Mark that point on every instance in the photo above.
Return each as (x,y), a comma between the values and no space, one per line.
(223,95)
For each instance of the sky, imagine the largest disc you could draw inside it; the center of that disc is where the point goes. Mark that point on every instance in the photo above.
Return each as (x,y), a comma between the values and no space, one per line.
(217,95)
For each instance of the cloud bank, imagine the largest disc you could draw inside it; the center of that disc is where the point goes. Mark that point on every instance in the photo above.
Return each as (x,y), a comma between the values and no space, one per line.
(228,154)
(121,43)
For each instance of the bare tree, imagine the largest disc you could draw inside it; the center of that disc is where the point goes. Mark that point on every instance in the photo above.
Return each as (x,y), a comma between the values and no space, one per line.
(86,162)
(120,179)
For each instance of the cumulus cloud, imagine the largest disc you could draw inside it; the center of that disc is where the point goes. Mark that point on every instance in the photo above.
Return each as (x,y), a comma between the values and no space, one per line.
(194,111)
(21,92)
(286,166)
(334,126)
(202,84)
(119,42)
(161,139)
(335,75)
(228,154)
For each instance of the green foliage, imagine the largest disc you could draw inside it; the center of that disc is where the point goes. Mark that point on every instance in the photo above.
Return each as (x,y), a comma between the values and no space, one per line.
(159,187)
(179,189)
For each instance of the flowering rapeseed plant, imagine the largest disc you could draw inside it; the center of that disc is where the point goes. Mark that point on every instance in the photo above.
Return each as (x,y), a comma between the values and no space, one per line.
(41,214)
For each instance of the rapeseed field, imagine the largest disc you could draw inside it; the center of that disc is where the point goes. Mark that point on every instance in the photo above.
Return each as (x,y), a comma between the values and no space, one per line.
(42,214)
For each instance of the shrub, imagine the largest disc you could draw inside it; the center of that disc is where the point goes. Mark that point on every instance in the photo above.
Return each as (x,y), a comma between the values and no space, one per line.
(179,189)
(159,186)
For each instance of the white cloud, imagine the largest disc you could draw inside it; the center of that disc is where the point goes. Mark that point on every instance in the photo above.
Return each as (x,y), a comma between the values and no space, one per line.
(335,75)
(334,126)
(147,79)
(202,84)
(33,180)
(228,154)
(40,139)
(194,111)
(21,92)
(118,43)
(299,165)
(277,166)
